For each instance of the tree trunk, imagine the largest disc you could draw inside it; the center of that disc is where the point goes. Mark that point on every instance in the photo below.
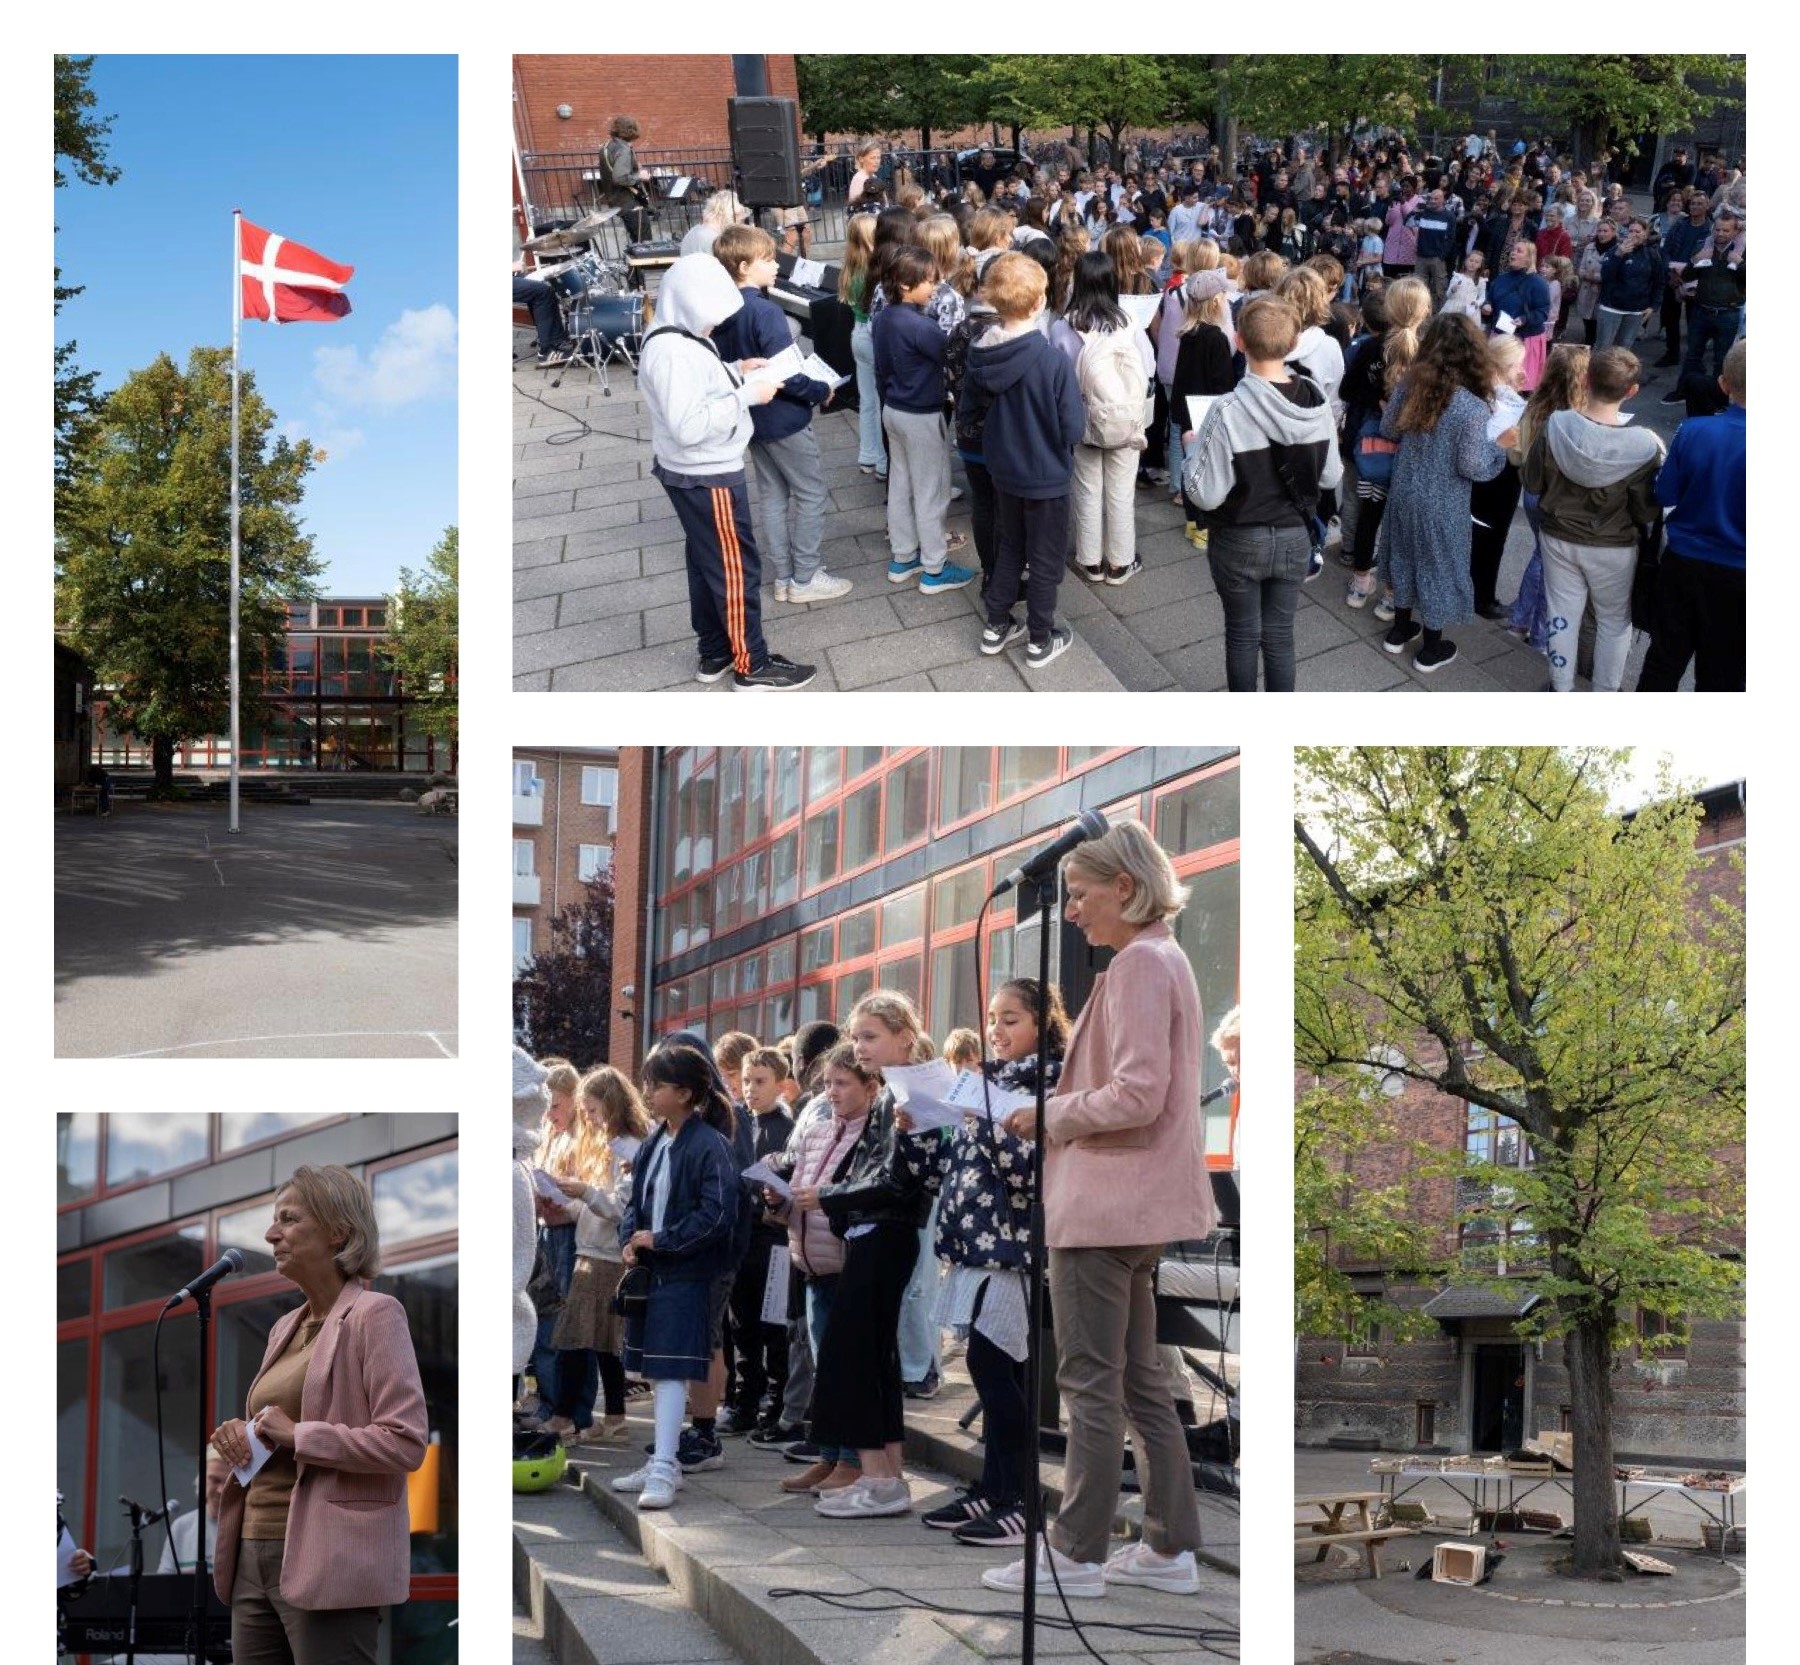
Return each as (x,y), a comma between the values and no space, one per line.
(1018,139)
(1587,1352)
(1093,145)
(162,761)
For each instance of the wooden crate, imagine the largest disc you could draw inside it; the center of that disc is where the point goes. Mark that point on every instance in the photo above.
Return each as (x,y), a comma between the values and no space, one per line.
(1458,1563)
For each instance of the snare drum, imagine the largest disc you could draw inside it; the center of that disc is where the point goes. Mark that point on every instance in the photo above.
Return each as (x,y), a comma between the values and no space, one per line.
(618,320)
(584,275)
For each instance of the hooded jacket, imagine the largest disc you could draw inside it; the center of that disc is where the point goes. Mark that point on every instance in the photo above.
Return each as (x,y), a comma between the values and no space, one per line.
(1595,483)
(699,406)
(1263,454)
(1703,487)
(761,330)
(1033,414)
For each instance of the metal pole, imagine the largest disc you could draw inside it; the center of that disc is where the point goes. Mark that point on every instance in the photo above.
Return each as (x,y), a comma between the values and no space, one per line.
(202,1573)
(237,316)
(1034,1370)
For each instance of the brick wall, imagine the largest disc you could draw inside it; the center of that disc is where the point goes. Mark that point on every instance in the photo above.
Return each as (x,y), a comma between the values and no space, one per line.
(678,99)
(568,824)
(631,888)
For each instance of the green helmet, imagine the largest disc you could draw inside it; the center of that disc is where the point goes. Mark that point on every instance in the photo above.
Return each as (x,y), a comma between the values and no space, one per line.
(538,1462)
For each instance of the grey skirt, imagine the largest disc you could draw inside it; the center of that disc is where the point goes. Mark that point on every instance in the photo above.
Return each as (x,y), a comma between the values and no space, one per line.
(587,1320)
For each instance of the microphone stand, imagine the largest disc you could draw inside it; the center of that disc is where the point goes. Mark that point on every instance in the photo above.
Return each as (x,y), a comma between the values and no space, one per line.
(139,1520)
(197,1623)
(1034,1496)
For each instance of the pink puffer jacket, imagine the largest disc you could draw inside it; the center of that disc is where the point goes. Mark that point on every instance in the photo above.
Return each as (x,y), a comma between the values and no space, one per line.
(820,1149)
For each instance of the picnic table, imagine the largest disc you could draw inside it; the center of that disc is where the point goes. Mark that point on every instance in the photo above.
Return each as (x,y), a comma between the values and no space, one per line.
(1344,1519)
(1724,1517)
(1478,1481)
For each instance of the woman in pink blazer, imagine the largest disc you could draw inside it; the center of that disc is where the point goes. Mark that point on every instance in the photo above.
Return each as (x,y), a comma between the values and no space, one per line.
(317,1543)
(1124,1175)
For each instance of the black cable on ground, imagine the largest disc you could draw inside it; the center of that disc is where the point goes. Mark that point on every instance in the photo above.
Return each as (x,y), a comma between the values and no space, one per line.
(566,436)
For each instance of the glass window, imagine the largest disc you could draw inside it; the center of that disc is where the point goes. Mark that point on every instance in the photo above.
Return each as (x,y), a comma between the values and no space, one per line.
(812,1002)
(428,1290)
(153,1270)
(600,786)
(1080,756)
(724,982)
(784,875)
(731,803)
(787,784)
(955,995)
(1023,767)
(1207,929)
(238,1128)
(859,760)
(138,1147)
(1203,813)
(903,975)
(243,1230)
(328,616)
(71,1433)
(416,1199)
(822,777)
(700,920)
(957,897)
(850,989)
(375,617)
(77,1154)
(127,1448)
(525,778)
(862,827)
(756,886)
(523,863)
(780,1008)
(821,848)
(595,860)
(963,782)
(907,810)
(353,617)
(756,794)
(903,917)
(816,951)
(74,1288)
(781,962)
(705,816)
(521,942)
(856,935)
(750,973)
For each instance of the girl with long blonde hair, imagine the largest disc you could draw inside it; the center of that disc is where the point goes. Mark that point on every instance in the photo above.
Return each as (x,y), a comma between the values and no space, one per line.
(1562,386)
(853,291)
(1398,311)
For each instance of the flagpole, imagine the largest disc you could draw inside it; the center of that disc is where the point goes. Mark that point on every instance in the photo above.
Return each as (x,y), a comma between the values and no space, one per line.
(237,311)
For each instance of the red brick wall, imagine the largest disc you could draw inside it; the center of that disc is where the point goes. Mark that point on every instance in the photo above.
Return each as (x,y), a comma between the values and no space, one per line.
(568,824)
(631,889)
(678,100)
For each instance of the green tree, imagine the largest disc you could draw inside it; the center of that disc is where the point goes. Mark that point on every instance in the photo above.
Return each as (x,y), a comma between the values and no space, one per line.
(845,93)
(562,999)
(80,141)
(1612,97)
(1110,92)
(1276,95)
(143,546)
(1480,920)
(422,637)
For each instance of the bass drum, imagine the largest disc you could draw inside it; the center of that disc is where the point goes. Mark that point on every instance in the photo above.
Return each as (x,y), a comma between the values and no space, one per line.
(617,320)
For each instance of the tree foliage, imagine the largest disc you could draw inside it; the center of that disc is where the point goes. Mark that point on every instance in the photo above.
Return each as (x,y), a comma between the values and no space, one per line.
(1480,920)
(1591,95)
(143,546)
(1341,91)
(422,637)
(80,142)
(562,999)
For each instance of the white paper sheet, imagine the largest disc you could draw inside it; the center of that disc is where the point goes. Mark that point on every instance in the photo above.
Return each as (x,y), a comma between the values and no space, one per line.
(816,369)
(1508,408)
(548,1189)
(775,1288)
(922,1091)
(761,1173)
(810,273)
(260,1453)
(788,362)
(1198,405)
(1505,324)
(973,1093)
(66,1551)
(1140,309)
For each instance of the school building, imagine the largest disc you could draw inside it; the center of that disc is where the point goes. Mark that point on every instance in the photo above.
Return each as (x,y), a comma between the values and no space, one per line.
(326,699)
(145,1202)
(759,889)
(1473,1385)
(565,818)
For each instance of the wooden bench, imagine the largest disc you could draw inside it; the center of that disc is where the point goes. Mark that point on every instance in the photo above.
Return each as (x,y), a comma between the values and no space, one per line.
(1371,1539)
(84,797)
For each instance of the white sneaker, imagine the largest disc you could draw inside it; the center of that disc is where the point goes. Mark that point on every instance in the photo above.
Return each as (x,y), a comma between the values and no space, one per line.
(1077,1579)
(783,588)
(1139,1564)
(820,587)
(865,1499)
(659,1489)
(1334,533)
(639,1478)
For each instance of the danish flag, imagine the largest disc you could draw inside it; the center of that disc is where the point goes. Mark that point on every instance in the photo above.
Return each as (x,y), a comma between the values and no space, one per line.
(287,282)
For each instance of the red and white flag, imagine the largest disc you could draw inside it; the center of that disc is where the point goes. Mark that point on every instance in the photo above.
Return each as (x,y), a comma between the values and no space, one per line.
(287,282)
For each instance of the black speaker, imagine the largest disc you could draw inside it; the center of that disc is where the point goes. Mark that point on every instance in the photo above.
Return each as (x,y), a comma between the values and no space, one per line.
(765,145)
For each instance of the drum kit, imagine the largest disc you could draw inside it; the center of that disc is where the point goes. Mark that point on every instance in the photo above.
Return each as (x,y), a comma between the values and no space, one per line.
(603,308)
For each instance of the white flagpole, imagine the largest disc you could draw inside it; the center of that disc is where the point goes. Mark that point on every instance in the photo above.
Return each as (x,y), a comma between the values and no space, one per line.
(237,311)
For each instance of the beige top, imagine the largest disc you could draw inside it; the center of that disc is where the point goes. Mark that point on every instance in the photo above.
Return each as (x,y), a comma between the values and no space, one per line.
(266,1506)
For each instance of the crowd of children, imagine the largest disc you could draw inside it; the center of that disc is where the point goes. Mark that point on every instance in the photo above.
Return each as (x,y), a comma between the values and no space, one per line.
(809,1368)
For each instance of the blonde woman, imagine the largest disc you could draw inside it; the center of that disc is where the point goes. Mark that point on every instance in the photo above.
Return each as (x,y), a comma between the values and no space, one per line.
(722,208)
(868,165)
(1124,1175)
(555,1264)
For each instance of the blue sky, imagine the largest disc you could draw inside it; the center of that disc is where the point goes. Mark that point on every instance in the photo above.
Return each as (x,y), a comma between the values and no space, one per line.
(352,156)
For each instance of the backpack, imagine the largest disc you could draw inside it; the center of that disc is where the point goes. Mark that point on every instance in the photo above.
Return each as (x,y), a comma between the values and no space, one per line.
(1111,378)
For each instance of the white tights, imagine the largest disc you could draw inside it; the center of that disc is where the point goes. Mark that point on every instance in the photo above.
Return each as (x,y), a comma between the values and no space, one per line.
(669,1400)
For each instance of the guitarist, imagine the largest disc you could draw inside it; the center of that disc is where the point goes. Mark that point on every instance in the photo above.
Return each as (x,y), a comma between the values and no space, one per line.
(621,182)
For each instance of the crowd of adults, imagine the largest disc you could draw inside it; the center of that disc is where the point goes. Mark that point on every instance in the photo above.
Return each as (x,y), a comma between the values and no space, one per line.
(651,1214)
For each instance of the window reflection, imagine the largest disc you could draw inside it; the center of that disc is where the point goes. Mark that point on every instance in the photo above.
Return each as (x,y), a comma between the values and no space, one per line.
(77,1154)
(153,1270)
(240,1128)
(417,1199)
(138,1147)
(127,1446)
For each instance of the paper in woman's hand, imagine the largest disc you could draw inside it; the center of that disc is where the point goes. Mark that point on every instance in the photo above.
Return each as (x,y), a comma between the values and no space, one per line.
(923,1090)
(548,1189)
(260,1452)
(973,1092)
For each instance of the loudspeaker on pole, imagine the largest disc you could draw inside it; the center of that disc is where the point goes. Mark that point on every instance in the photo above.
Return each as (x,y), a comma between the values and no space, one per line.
(765,146)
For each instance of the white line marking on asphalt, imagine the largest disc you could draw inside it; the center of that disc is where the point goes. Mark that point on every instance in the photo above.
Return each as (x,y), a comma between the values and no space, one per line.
(220,871)
(431,1035)
(308,1035)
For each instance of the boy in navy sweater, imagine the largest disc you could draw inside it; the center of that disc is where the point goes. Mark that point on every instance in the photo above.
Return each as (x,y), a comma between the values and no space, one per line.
(783,445)
(1034,419)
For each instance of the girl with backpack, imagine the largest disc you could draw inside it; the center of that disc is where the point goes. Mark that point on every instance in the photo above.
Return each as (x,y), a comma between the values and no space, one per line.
(1114,365)
(1203,364)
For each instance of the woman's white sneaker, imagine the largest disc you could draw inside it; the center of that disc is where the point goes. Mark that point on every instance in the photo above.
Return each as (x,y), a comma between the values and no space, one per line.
(1076,1579)
(661,1483)
(865,1499)
(1139,1564)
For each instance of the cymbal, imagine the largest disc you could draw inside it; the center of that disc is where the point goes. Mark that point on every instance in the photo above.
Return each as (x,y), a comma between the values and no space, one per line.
(554,242)
(593,221)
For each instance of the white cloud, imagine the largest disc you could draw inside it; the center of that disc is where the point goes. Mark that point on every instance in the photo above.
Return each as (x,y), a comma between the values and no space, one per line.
(332,438)
(414,359)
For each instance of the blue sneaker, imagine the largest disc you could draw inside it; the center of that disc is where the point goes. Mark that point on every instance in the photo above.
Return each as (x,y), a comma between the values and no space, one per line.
(948,578)
(902,572)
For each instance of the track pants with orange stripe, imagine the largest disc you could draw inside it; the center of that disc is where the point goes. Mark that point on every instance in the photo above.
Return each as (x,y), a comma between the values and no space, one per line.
(724,572)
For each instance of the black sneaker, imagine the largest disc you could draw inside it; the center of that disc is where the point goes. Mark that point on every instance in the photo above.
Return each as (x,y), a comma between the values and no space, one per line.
(697,1452)
(566,353)
(801,1451)
(1665,364)
(1124,575)
(968,1505)
(925,1389)
(731,1420)
(1315,563)
(775,675)
(1039,654)
(997,638)
(1435,657)
(1401,636)
(1674,396)
(775,1434)
(712,669)
(994,1528)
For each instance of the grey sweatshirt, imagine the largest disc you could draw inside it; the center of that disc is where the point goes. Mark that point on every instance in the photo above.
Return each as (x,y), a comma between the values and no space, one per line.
(699,407)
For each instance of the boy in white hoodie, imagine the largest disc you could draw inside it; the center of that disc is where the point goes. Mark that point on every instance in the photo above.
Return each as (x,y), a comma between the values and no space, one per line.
(699,428)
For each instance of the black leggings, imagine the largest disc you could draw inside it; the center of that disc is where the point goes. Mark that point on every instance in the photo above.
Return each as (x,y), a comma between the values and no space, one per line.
(1371,505)
(858,1400)
(1006,1419)
(612,1383)
(1492,504)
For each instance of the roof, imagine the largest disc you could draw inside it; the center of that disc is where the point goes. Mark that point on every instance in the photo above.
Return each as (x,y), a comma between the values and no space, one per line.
(1461,1301)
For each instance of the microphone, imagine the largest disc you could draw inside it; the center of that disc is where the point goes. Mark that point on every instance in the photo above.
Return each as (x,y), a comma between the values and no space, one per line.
(231,1261)
(147,1517)
(1090,824)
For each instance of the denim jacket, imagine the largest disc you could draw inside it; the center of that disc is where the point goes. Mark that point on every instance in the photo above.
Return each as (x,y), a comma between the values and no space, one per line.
(703,1209)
